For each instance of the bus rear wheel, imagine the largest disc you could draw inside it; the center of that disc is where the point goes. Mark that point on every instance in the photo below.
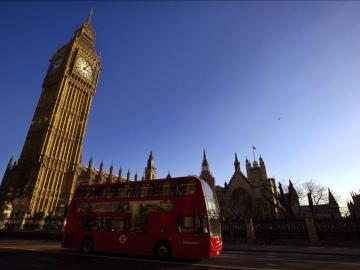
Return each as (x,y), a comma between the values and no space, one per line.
(163,250)
(87,246)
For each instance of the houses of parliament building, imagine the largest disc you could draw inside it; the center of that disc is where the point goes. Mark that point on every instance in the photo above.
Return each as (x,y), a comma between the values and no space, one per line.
(49,168)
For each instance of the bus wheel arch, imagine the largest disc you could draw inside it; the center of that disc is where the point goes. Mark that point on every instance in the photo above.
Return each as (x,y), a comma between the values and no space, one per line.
(87,245)
(162,249)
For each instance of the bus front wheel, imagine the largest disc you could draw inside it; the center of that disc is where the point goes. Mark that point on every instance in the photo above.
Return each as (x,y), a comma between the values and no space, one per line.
(163,250)
(87,245)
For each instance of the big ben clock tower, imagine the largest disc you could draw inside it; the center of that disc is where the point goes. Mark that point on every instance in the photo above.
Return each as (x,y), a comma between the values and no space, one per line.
(45,176)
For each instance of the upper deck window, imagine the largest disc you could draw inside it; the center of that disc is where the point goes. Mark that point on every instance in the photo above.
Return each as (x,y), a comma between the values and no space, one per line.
(168,188)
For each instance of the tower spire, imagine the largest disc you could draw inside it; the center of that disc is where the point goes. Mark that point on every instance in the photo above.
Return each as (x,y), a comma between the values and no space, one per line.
(237,164)
(205,173)
(120,174)
(332,200)
(205,162)
(90,162)
(89,18)
(11,163)
(150,170)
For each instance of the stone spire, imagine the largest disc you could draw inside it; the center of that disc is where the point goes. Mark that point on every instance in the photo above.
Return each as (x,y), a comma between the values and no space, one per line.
(111,169)
(90,163)
(10,163)
(237,164)
(101,166)
(248,164)
(205,164)
(206,173)
(262,163)
(128,175)
(168,175)
(332,200)
(120,174)
(136,176)
(293,196)
(89,18)
(150,170)
(85,32)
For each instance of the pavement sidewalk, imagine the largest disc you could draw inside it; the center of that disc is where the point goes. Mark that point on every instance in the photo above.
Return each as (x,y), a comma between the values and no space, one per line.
(316,250)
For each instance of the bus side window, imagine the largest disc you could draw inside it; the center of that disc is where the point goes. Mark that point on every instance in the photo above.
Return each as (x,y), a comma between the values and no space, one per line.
(145,190)
(156,189)
(192,224)
(120,224)
(106,193)
(192,188)
(123,192)
(182,189)
(96,193)
(114,191)
(134,192)
(88,223)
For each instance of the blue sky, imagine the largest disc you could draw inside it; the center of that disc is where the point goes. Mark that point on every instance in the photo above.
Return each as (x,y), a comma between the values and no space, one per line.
(178,77)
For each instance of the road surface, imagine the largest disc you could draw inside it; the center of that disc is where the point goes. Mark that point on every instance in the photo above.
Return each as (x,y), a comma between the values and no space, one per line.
(42,254)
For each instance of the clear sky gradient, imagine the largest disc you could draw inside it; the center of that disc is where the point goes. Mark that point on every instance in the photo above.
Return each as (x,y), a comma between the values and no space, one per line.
(178,77)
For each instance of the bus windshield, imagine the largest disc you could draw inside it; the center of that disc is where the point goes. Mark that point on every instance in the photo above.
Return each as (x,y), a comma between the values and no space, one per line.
(213,210)
(210,198)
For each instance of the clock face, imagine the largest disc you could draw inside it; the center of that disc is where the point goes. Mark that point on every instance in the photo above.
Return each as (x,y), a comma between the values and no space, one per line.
(57,63)
(84,68)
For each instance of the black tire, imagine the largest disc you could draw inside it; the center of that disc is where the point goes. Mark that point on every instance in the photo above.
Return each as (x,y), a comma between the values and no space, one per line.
(163,250)
(87,246)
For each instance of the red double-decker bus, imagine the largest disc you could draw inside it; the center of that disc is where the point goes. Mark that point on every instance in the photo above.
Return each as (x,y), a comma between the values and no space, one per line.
(176,217)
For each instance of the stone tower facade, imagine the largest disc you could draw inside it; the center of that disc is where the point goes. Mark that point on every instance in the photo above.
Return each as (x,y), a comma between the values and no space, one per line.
(44,178)
(205,173)
(253,194)
(150,170)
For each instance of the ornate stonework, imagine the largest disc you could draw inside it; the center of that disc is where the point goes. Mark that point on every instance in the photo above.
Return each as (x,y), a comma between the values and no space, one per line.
(45,175)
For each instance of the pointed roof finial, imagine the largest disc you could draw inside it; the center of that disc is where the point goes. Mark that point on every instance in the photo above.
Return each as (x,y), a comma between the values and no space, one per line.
(332,199)
(101,166)
(237,164)
(236,159)
(111,168)
(205,162)
(89,18)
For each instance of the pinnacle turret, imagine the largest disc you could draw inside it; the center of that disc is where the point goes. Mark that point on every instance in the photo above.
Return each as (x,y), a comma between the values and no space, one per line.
(90,163)
(248,164)
(150,170)
(332,200)
(205,162)
(111,169)
(120,173)
(11,163)
(237,164)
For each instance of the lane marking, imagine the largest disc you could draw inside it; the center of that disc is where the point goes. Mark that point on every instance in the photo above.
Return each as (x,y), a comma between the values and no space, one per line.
(195,264)
(35,265)
(20,248)
(287,259)
(165,262)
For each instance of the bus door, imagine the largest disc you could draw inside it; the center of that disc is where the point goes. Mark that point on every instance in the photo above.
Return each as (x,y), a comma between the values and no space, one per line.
(193,235)
(118,239)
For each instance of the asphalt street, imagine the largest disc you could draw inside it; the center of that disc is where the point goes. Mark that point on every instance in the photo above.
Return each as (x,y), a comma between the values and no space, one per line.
(41,254)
